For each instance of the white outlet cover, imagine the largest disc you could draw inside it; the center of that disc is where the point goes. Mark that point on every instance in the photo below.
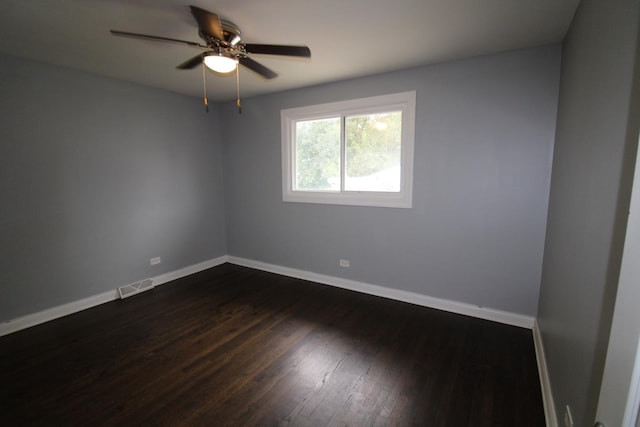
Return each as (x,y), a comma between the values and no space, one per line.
(155,260)
(345,263)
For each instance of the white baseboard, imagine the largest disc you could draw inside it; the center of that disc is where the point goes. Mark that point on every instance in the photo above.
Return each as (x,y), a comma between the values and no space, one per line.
(391,293)
(34,319)
(187,271)
(24,322)
(545,384)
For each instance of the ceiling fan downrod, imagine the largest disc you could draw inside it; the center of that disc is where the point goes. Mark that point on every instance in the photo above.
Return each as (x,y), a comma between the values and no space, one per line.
(204,87)
(238,89)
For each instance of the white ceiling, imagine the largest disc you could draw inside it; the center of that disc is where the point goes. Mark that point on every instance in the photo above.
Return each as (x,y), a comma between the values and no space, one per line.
(347,38)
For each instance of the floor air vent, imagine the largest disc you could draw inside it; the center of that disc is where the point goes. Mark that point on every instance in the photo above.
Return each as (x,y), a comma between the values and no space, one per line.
(135,288)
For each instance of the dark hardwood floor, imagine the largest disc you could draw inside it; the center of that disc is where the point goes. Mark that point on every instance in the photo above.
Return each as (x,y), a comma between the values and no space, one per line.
(233,346)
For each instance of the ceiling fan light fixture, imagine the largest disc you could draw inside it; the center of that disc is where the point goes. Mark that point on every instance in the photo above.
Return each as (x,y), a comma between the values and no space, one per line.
(221,62)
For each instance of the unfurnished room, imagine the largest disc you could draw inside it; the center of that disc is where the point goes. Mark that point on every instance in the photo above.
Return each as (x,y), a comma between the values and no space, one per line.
(320,213)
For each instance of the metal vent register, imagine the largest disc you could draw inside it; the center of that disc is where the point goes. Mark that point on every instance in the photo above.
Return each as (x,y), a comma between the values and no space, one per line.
(135,288)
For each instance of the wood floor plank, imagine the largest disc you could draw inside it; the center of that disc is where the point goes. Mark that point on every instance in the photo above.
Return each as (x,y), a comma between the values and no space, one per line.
(233,346)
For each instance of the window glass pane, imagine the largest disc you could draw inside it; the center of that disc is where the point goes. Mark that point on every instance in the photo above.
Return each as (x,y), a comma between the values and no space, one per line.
(372,152)
(317,151)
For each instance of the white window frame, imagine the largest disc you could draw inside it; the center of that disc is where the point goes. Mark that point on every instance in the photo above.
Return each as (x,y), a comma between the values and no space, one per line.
(403,101)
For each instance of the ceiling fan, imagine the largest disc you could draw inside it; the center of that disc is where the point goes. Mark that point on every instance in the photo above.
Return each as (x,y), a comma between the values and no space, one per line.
(223,49)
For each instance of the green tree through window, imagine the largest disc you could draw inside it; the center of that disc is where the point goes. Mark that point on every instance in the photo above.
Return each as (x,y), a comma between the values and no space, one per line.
(373,147)
(372,153)
(318,154)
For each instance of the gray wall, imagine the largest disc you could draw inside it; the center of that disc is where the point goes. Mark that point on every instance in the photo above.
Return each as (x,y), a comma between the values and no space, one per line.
(484,138)
(592,172)
(96,177)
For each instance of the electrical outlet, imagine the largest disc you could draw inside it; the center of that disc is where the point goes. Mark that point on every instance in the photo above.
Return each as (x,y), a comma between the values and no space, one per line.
(345,263)
(154,261)
(568,419)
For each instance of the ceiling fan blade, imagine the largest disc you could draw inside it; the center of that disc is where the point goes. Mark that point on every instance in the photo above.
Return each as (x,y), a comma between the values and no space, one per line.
(191,63)
(155,38)
(208,22)
(275,49)
(258,68)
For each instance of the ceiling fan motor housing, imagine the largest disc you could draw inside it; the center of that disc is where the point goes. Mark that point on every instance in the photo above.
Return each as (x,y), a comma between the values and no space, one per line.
(231,36)
(231,32)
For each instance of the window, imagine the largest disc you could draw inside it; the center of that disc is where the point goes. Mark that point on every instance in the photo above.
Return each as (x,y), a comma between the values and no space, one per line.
(357,152)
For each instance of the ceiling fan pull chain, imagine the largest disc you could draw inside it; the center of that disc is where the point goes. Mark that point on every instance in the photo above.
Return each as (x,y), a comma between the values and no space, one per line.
(204,87)
(238,88)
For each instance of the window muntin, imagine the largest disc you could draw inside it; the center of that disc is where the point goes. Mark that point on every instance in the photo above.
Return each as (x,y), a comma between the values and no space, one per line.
(357,152)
